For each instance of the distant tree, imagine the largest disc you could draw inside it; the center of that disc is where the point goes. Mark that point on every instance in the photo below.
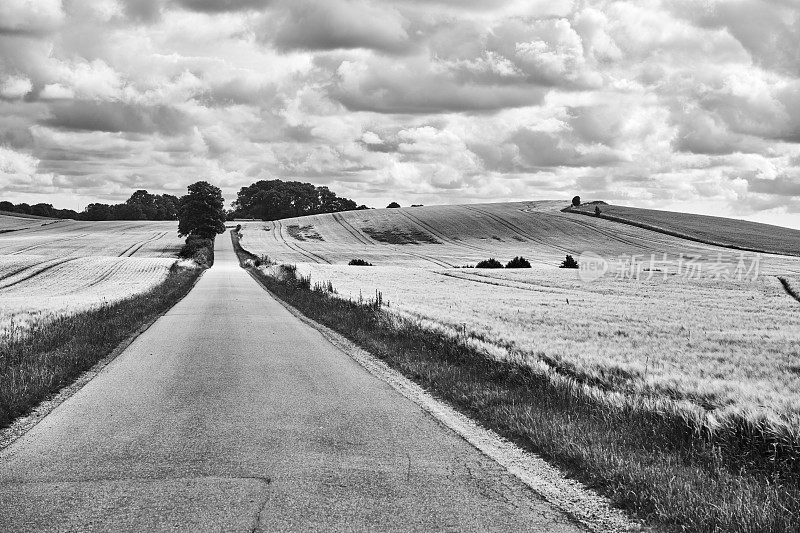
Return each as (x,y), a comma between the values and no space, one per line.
(569,262)
(576,201)
(597,210)
(276,199)
(393,205)
(416,205)
(362,207)
(23,208)
(201,212)
(489,263)
(518,262)
(42,210)
(6,206)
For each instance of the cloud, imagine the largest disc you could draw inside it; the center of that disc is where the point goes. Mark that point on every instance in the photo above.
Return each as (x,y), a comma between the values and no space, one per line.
(117,117)
(781,185)
(339,24)
(416,87)
(15,87)
(30,16)
(219,6)
(663,102)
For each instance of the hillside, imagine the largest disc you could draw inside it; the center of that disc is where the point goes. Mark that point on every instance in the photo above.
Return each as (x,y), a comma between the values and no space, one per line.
(15,221)
(740,234)
(458,235)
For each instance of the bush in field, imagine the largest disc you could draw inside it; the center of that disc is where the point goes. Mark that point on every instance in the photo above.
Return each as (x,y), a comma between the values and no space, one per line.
(489,263)
(393,205)
(569,262)
(518,262)
(359,262)
(576,201)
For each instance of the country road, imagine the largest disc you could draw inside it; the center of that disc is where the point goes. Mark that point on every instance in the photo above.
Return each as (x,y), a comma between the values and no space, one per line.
(231,414)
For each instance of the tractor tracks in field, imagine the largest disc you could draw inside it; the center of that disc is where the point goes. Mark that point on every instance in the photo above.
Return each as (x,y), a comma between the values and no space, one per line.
(368,241)
(132,249)
(37,272)
(308,254)
(48,243)
(520,231)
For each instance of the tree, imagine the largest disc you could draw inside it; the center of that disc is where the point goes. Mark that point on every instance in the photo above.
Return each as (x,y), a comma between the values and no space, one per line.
(518,262)
(569,262)
(489,263)
(6,206)
(576,201)
(597,211)
(201,212)
(276,199)
(393,205)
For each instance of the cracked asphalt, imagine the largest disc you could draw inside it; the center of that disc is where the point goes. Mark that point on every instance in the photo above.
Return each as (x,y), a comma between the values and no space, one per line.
(230,414)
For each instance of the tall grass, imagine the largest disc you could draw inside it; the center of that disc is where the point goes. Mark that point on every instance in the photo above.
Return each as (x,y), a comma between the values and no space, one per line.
(51,352)
(663,460)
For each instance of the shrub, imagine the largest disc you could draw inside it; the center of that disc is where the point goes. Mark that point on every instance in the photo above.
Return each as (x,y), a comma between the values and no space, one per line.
(518,262)
(199,249)
(489,263)
(359,262)
(597,210)
(393,205)
(576,201)
(569,262)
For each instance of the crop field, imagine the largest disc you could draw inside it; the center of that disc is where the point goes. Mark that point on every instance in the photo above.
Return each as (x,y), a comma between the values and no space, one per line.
(718,230)
(68,266)
(722,344)
(14,222)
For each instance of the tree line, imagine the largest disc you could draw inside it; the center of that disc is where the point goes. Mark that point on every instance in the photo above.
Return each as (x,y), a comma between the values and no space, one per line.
(140,206)
(276,199)
(264,199)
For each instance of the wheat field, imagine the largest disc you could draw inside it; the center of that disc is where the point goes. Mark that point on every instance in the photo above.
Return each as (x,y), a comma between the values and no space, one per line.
(49,268)
(723,344)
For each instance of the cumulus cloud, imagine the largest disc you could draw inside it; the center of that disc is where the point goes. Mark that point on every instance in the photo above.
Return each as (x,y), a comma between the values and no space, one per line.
(15,87)
(339,24)
(219,6)
(117,117)
(30,16)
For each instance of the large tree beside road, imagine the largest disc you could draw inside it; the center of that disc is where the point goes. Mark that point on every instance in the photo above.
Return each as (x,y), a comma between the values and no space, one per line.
(201,212)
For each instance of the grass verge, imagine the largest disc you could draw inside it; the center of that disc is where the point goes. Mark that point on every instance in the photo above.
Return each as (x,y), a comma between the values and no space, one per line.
(646,456)
(50,354)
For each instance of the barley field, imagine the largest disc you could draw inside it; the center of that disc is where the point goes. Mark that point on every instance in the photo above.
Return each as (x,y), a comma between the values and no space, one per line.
(52,268)
(722,344)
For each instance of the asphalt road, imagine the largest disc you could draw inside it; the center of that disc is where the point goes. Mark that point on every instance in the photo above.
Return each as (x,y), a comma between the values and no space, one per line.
(230,414)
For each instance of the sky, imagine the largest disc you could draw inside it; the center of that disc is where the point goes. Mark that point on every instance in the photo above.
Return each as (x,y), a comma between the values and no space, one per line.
(683,105)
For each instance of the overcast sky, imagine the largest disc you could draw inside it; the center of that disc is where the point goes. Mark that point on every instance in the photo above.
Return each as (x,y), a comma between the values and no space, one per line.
(674,104)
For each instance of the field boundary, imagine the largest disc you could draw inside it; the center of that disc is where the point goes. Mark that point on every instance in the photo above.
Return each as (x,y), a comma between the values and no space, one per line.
(22,425)
(672,233)
(573,498)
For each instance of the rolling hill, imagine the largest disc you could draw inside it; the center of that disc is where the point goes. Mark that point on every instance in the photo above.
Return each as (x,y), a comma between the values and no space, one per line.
(737,234)
(458,235)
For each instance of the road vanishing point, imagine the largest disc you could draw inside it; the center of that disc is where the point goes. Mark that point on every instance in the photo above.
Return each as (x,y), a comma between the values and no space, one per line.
(231,414)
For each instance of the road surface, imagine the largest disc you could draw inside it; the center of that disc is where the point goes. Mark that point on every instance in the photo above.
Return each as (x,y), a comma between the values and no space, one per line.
(230,414)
